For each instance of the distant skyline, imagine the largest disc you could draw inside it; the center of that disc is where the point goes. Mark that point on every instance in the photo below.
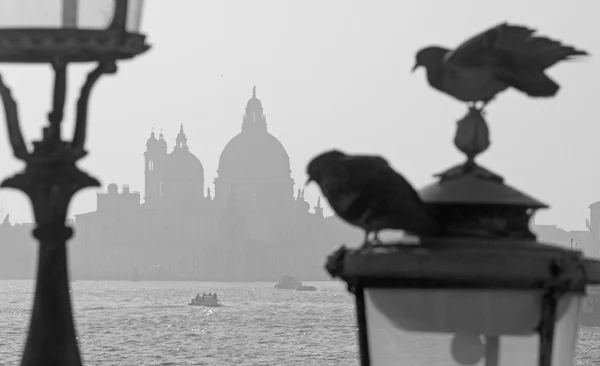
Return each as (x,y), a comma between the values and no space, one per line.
(332,74)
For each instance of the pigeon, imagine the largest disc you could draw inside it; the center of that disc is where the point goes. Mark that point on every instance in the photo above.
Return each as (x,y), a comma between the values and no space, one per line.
(489,63)
(366,192)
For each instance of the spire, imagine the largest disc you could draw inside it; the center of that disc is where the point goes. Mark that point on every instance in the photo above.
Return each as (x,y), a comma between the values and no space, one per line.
(319,209)
(254,118)
(151,140)
(162,144)
(181,141)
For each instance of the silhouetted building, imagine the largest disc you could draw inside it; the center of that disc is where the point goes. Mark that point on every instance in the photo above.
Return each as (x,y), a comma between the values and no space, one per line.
(18,250)
(253,228)
(588,241)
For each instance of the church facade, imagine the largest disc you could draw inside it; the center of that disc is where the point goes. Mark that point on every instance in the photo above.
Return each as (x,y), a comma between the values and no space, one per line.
(253,227)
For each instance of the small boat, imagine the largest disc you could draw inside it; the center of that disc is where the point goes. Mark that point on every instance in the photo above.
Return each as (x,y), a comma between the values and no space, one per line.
(208,300)
(288,283)
(306,288)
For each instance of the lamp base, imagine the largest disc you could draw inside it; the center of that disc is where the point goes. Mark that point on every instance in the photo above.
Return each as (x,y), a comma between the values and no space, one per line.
(44,45)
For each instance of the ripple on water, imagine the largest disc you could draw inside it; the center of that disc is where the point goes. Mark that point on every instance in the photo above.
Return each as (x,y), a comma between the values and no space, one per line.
(149,323)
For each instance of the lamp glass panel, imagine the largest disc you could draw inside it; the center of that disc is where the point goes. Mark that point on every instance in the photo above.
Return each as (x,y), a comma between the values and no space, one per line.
(566,332)
(431,338)
(83,14)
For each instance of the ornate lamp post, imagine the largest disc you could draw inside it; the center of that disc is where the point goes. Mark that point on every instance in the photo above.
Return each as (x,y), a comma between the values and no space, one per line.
(76,31)
(487,291)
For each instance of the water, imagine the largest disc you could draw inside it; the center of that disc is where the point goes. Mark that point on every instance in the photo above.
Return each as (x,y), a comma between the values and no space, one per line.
(150,323)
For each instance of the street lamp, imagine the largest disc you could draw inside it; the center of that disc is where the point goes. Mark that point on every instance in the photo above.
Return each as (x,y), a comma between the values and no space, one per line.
(59,33)
(486,293)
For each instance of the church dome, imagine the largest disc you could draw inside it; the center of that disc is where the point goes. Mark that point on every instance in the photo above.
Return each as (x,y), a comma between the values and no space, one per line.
(181,165)
(254,154)
(251,154)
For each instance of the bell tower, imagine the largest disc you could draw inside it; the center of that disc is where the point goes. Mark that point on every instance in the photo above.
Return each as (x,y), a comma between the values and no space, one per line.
(181,140)
(156,151)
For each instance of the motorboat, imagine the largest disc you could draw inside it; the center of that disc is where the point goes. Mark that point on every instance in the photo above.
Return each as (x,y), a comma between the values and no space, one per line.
(288,283)
(208,300)
(306,288)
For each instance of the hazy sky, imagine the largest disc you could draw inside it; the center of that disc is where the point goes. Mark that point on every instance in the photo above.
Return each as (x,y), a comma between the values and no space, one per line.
(332,73)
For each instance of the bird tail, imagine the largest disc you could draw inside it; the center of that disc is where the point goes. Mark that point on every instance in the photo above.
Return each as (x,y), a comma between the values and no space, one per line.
(533,51)
(548,52)
(534,85)
(532,55)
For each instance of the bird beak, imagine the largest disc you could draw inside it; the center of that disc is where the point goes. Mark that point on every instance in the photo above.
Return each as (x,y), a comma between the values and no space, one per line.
(415,67)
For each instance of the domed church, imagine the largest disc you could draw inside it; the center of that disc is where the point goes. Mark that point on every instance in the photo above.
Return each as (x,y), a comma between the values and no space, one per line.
(254,162)
(254,227)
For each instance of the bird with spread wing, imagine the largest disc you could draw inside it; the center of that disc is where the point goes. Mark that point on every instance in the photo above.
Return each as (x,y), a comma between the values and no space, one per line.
(499,58)
(366,192)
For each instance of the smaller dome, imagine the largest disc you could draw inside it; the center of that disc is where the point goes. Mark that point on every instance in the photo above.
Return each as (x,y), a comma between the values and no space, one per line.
(183,167)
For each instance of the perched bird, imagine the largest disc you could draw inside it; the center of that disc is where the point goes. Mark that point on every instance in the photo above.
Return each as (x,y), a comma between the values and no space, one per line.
(366,192)
(490,62)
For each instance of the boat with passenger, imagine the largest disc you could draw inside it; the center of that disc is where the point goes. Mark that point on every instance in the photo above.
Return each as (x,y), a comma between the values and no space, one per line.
(208,300)
(306,288)
(288,283)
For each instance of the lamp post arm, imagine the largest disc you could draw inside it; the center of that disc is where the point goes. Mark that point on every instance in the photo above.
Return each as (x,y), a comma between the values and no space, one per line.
(105,67)
(119,20)
(56,115)
(12,122)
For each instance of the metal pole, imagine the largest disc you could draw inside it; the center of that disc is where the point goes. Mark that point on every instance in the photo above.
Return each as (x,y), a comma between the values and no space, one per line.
(50,179)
